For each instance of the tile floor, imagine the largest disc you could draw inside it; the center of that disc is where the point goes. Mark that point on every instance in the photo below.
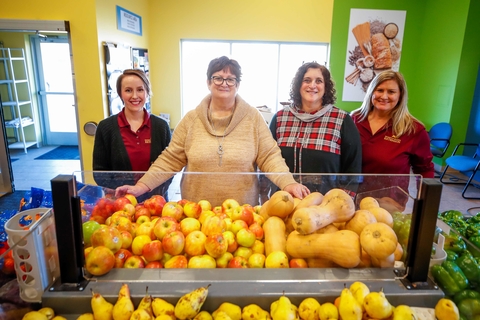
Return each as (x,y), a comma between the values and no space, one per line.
(38,173)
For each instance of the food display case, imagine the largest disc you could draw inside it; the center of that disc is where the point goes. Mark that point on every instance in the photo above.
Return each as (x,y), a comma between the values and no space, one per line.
(69,290)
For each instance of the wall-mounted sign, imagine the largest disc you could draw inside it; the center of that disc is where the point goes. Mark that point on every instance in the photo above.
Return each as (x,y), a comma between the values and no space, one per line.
(129,21)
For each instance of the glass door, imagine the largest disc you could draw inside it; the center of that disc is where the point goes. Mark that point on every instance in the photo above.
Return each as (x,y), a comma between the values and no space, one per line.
(54,75)
(6,173)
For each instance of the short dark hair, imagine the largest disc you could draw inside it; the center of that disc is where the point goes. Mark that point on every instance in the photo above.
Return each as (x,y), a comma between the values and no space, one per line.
(134,72)
(224,63)
(329,96)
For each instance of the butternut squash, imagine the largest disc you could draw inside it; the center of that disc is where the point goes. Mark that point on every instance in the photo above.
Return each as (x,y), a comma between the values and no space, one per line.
(328,229)
(274,233)
(398,252)
(320,263)
(378,240)
(360,219)
(368,202)
(365,260)
(382,215)
(340,247)
(263,211)
(336,206)
(388,262)
(313,199)
(280,204)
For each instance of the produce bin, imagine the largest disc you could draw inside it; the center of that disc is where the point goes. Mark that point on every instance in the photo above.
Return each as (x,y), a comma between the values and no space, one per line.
(405,283)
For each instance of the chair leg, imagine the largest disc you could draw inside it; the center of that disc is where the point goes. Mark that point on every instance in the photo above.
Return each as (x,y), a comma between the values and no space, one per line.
(467,185)
(443,174)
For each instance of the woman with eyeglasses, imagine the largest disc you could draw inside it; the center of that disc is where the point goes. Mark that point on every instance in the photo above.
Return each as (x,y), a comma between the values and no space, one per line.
(132,139)
(223,134)
(313,134)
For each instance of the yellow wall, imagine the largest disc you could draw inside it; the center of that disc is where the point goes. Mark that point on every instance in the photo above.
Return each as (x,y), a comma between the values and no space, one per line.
(166,21)
(270,20)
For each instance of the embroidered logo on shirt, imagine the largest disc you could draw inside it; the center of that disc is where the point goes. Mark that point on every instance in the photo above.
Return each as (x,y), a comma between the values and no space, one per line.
(148,140)
(392,139)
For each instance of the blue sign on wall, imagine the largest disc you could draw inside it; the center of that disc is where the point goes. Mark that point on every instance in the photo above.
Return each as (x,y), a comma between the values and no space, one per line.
(129,21)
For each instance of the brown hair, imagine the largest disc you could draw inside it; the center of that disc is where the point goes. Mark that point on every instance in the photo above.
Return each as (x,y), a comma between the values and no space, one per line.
(224,63)
(329,95)
(134,72)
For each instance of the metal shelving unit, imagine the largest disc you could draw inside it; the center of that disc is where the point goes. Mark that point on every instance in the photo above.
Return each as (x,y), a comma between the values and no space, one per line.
(20,117)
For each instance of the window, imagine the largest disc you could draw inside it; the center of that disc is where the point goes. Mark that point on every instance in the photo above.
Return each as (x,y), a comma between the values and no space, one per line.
(267,68)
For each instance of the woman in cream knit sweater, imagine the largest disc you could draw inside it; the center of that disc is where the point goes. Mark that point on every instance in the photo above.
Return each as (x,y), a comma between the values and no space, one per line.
(222,135)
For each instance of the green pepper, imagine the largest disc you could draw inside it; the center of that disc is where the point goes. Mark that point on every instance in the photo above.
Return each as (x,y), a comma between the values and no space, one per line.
(462,318)
(451,256)
(456,273)
(397,225)
(454,243)
(444,280)
(475,218)
(458,225)
(469,267)
(450,214)
(404,232)
(466,294)
(473,229)
(476,317)
(469,308)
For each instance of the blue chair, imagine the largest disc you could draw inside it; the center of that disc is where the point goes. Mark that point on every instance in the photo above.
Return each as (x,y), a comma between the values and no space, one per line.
(467,165)
(440,135)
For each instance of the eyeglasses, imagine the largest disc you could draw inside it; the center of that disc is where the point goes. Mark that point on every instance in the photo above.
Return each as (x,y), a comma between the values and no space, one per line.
(219,81)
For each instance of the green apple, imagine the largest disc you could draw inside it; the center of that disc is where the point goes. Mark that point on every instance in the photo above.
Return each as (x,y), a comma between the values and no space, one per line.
(88,228)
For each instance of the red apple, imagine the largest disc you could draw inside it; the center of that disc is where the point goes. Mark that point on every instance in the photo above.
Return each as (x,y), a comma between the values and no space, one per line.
(174,243)
(100,261)
(238,262)
(182,202)
(202,262)
(176,262)
(123,224)
(223,261)
(195,243)
(155,204)
(216,245)
(205,205)
(134,262)
(258,219)
(243,252)
(229,204)
(165,225)
(256,260)
(238,225)
(154,265)
(87,250)
(130,210)
(217,209)
(143,219)
(120,203)
(147,228)
(153,251)
(231,240)
(298,263)
(188,225)
(127,239)
(192,209)
(139,242)
(213,225)
(257,230)
(107,236)
(244,213)
(121,256)
(142,211)
(172,209)
(245,238)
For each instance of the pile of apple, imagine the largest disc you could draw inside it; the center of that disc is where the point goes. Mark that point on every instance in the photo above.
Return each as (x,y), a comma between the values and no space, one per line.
(122,233)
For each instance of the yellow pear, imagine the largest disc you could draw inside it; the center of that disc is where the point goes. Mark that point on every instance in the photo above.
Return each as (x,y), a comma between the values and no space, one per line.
(102,309)
(203,315)
(283,310)
(123,308)
(34,315)
(359,291)
(328,311)
(446,309)
(232,310)
(165,317)
(189,305)
(349,308)
(404,312)
(86,316)
(59,318)
(146,304)
(221,315)
(377,306)
(48,312)
(140,314)
(161,307)
(308,309)
(253,311)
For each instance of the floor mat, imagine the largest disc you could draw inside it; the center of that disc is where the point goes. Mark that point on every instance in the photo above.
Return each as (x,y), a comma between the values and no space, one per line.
(61,153)
(11,201)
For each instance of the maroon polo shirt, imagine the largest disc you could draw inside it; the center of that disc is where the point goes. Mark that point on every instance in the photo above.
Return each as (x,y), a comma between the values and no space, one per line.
(137,143)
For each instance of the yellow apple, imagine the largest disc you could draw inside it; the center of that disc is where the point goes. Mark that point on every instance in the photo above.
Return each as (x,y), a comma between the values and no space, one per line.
(205,205)
(202,261)
(256,260)
(188,225)
(277,259)
(138,243)
(195,243)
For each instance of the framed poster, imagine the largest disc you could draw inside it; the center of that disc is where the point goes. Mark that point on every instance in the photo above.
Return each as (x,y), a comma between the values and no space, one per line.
(129,21)
(375,40)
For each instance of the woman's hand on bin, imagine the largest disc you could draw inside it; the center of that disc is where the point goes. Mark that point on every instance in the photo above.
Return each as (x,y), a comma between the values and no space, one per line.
(297,190)
(136,190)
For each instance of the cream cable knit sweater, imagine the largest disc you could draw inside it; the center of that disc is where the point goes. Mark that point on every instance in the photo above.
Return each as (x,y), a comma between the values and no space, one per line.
(248,143)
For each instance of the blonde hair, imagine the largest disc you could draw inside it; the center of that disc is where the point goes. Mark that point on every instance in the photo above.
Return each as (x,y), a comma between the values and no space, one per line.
(403,120)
